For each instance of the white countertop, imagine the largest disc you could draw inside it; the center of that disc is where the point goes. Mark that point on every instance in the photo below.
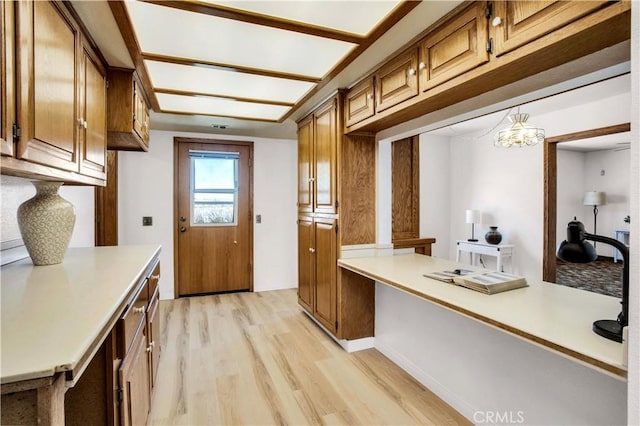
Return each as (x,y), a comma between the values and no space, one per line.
(51,315)
(553,316)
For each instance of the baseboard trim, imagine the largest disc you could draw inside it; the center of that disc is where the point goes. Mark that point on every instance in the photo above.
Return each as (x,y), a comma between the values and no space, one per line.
(348,345)
(427,381)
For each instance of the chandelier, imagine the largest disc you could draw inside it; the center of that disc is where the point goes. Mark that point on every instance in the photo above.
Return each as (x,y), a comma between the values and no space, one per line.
(519,133)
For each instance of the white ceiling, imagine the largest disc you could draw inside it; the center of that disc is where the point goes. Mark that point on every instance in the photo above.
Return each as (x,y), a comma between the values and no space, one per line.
(167,31)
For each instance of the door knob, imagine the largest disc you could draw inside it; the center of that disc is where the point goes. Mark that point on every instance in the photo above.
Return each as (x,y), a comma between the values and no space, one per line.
(183,219)
(183,228)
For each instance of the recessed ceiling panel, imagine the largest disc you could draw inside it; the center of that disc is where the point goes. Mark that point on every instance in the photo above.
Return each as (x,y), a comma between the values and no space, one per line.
(172,32)
(356,17)
(225,83)
(222,107)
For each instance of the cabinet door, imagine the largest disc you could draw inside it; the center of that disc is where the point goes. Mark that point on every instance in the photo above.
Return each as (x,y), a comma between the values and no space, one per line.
(134,382)
(139,107)
(7,70)
(47,90)
(325,158)
(153,328)
(306,263)
(397,81)
(359,103)
(515,23)
(326,272)
(305,165)
(93,116)
(455,48)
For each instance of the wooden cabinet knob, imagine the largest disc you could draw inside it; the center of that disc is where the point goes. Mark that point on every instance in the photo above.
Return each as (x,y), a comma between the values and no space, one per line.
(412,71)
(497,21)
(139,310)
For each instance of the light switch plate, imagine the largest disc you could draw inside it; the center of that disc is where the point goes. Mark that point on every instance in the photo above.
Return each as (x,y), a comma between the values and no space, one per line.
(147,221)
(258,218)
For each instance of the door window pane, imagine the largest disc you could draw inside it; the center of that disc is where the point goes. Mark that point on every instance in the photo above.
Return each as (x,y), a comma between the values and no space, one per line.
(214,188)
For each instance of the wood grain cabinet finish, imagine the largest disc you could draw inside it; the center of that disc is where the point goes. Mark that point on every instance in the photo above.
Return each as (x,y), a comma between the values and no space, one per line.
(359,102)
(515,23)
(397,80)
(153,337)
(7,78)
(53,96)
(305,165)
(134,380)
(306,263)
(128,115)
(457,47)
(326,241)
(325,162)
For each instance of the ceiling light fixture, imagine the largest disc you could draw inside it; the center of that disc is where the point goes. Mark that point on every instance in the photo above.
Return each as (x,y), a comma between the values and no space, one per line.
(519,134)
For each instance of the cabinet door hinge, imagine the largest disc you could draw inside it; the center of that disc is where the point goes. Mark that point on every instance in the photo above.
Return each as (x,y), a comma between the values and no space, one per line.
(16,132)
(488,11)
(490,45)
(119,396)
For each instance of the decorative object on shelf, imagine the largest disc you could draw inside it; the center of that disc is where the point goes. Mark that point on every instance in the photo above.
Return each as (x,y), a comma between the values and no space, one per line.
(576,249)
(472,217)
(519,134)
(627,219)
(595,199)
(493,236)
(46,222)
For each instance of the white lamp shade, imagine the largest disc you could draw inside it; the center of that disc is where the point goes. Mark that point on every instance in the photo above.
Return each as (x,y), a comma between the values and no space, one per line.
(595,198)
(472,216)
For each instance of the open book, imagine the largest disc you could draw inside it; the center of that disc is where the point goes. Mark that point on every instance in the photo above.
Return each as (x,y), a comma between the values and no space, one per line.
(487,282)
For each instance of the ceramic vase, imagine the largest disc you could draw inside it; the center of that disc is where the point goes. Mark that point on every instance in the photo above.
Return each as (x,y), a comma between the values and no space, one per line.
(46,222)
(493,236)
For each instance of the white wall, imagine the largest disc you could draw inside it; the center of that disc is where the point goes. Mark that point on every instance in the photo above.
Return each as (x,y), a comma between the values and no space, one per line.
(506,185)
(435,192)
(480,370)
(570,191)
(16,190)
(146,189)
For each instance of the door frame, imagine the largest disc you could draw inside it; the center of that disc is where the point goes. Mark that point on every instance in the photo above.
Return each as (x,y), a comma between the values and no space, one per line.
(176,144)
(550,173)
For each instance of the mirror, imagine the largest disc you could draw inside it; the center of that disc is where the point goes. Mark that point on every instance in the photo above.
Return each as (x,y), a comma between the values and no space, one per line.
(566,157)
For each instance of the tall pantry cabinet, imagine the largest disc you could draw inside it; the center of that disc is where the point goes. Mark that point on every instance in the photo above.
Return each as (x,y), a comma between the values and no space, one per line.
(327,162)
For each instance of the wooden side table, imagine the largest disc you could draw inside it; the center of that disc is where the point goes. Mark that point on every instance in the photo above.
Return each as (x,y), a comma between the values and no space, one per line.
(499,251)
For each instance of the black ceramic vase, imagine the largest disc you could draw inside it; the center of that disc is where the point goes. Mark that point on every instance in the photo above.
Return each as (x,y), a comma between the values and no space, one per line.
(493,236)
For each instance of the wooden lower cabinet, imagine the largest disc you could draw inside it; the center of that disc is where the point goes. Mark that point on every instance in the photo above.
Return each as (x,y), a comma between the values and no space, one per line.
(153,337)
(317,272)
(134,381)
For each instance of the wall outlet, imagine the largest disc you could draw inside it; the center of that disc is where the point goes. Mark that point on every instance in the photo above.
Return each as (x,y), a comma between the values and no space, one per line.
(258,218)
(147,220)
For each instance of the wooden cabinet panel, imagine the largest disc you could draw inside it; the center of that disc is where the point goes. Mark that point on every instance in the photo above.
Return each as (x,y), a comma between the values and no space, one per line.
(455,48)
(516,23)
(306,263)
(153,337)
(405,190)
(325,158)
(134,382)
(305,165)
(93,116)
(359,102)
(131,319)
(7,80)
(326,272)
(48,83)
(397,81)
(128,114)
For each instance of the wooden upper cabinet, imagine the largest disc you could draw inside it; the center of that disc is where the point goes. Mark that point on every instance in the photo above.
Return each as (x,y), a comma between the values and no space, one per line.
(306,263)
(359,102)
(47,95)
(93,116)
(515,23)
(325,309)
(397,80)
(325,158)
(305,165)
(455,48)
(128,114)
(7,81)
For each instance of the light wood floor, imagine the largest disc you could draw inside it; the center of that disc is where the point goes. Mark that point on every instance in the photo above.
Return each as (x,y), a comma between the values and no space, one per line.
(256,359)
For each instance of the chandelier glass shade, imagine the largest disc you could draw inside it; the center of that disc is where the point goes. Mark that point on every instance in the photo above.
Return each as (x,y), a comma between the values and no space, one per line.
(519,134)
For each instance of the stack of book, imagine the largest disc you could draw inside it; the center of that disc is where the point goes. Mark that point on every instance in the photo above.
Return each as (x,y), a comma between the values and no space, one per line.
(487,282)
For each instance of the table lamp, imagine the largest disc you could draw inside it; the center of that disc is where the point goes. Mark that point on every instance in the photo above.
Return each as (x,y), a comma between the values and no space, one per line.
(472,217)
(576,249)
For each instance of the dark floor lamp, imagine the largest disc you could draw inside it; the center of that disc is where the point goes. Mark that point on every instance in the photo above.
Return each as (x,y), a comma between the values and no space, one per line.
(576,250)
